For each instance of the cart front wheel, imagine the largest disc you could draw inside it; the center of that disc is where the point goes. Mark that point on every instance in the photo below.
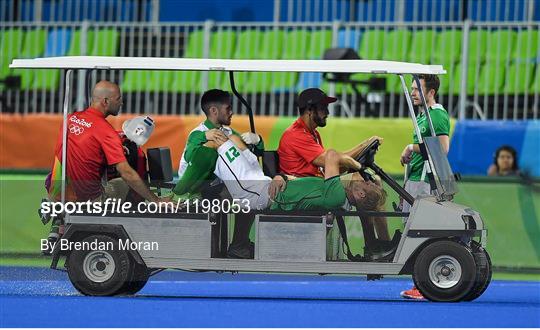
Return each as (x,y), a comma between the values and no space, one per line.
(445,271)
(483,271)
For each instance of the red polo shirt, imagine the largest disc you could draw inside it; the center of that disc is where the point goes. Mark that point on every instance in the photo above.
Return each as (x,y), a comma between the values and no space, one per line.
(298,147)
(92,145)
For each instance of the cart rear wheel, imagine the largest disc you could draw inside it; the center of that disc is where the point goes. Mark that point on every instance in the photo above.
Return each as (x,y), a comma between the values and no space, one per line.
(445,271)
(483,271)
(98,272)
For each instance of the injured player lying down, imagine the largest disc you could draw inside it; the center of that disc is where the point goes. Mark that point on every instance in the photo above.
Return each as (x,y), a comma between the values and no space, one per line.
(240,171)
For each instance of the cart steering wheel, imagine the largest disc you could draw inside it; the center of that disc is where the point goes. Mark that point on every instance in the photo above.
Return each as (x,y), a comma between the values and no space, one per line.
(367,158)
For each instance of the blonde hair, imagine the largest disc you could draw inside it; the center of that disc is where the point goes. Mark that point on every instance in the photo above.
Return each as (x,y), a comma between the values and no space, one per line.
(375,198)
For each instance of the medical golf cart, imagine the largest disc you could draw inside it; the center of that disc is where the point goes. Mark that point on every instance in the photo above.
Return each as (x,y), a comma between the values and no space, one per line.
(442,244)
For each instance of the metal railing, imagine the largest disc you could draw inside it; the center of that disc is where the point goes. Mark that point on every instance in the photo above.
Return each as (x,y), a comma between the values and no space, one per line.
(77,10)
(401,10)
(461,98)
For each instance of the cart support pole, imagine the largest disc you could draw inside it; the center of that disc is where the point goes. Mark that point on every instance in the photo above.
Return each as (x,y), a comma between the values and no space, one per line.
(426,108)
(411,108)
(67,98)
(243,101)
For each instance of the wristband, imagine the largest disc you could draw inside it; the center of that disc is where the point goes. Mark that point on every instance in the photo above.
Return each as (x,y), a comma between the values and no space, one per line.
(410,147)
(283,176)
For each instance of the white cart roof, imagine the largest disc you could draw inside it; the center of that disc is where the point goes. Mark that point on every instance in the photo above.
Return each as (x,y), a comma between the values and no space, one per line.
(191,64)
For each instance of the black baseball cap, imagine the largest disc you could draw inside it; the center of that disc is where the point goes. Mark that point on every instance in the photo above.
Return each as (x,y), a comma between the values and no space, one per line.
(313,96)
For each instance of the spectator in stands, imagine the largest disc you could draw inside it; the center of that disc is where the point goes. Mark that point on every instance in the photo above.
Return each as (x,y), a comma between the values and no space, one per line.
(301,154)
(505,162)
(417,183)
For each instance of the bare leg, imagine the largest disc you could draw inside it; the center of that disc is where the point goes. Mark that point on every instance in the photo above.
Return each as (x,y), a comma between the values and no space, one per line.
(369,233)
(381,227)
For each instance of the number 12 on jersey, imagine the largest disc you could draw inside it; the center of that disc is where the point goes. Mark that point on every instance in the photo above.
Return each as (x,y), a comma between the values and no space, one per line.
(232,154)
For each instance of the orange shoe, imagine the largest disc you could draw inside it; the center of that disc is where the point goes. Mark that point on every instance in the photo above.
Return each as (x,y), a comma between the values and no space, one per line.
(412,294)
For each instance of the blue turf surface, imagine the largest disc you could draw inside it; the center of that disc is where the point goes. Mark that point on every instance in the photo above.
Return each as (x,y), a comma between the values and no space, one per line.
(41,297)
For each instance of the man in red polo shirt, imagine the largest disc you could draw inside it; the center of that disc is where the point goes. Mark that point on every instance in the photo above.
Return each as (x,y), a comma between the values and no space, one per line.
(93,144)
(301,151)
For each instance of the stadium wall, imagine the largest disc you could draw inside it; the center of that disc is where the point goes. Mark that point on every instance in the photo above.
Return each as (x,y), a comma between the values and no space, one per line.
(27,141)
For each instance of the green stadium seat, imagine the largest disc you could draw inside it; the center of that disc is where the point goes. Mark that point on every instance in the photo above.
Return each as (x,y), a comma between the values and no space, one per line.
(271,47)
(33,46)
(393,84)
(536,80)
(46,79)
(297,42)
(105,43)
(422,46)
(76,40)
(248,44)
(491,80)
(320,41)
(247,47)
(499,46)
(222,45)
(519,78)
(187,81)
(371,47)
(447,80)
(135,81)
(195,45)
(477,46)
(10,45)
(272,44)
(526,46)
(473,75)
(397,44)
(160,80)
(340,89)
(447,48)
(372,44)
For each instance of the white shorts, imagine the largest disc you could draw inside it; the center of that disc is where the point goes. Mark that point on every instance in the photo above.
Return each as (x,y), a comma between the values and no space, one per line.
(416,189)
(242,175)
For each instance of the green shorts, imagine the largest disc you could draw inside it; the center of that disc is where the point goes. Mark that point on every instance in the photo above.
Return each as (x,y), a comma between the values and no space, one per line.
(311,193)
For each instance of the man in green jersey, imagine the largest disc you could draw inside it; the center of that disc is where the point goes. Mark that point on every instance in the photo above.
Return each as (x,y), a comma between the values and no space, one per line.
(216,105)
(197,164)
(417,182)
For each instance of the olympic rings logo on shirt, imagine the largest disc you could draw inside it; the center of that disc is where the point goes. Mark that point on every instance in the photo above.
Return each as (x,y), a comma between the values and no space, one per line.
(75,129)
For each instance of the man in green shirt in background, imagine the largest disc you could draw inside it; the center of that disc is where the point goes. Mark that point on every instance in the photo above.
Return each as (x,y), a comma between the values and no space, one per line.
(417,183)
(200,180)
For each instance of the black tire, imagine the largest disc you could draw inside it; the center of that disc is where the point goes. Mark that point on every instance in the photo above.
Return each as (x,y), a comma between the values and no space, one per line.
(483,271)
(99,273)
(138,280)
(444,271)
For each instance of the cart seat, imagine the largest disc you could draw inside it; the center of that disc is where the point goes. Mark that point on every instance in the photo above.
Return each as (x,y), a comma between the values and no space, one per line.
(270,163)
(160,166)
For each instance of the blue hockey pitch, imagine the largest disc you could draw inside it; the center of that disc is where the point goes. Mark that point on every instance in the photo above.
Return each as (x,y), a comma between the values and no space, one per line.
(31,297)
